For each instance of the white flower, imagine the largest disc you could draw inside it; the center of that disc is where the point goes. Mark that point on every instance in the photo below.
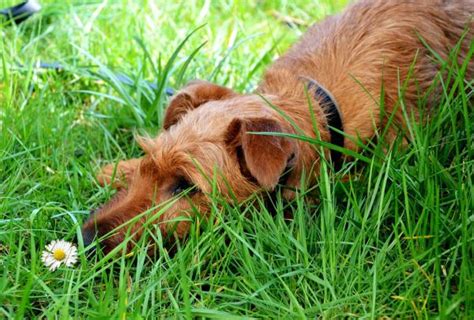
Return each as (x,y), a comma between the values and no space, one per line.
(58,252)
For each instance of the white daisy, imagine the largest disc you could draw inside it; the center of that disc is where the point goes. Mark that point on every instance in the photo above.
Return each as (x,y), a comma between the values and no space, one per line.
(58,252)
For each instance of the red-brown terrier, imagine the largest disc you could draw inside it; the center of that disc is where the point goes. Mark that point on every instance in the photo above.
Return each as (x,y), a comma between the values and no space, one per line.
(340,65)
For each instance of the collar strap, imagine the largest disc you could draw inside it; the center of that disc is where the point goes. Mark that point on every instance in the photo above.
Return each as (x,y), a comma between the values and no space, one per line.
(333,116)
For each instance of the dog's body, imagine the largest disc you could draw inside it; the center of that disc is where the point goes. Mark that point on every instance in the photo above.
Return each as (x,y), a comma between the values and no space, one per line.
(374,44)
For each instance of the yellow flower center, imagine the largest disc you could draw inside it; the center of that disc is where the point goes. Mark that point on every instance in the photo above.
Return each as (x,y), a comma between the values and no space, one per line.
(59,254)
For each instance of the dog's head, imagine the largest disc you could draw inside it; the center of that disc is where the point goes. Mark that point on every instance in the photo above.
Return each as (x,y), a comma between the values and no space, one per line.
(208,141)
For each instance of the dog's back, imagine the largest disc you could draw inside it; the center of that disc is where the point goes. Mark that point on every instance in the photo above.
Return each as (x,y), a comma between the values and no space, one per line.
(377,43)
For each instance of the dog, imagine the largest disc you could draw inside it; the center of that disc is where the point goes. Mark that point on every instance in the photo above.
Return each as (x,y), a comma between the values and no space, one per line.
(327,86)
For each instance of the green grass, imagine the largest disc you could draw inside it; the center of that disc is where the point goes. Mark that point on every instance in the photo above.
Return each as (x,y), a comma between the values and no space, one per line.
(395,240)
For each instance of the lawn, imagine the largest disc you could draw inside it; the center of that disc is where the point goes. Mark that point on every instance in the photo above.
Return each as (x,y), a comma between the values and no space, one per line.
(395,240)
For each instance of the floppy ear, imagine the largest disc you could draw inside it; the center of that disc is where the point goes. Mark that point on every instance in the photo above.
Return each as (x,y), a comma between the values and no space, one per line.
(263,157)
(193,95)
(123,171)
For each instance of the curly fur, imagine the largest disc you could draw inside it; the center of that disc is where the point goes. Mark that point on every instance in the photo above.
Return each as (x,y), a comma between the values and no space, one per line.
(373,44)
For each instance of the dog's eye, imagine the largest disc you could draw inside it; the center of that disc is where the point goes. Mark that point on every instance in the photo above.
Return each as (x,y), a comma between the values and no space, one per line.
(183,185)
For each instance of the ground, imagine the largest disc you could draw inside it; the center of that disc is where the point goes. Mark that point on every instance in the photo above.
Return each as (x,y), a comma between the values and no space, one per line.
(394,240)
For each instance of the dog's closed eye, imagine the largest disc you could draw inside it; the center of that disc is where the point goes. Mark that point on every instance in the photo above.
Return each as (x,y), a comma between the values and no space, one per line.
(182,184)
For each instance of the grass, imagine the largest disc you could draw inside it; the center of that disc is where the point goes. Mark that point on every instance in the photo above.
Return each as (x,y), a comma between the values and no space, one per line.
(396,240)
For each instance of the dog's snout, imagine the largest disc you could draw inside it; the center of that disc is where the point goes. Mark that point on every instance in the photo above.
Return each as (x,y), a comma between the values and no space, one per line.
(100,236)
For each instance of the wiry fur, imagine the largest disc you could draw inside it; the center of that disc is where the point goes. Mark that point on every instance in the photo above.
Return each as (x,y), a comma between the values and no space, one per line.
(374,44)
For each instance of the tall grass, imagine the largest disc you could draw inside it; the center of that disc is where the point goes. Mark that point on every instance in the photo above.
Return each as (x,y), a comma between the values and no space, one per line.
(395,240)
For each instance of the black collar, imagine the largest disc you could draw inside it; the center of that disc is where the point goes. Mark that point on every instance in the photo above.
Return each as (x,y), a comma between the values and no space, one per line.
(333,116)
(334,121)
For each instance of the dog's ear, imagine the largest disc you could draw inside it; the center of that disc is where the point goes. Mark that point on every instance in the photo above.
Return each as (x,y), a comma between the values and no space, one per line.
(263,157)
(194,94)
(121,173)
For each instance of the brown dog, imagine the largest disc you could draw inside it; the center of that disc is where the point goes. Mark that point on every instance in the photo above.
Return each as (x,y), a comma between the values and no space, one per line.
(340,65)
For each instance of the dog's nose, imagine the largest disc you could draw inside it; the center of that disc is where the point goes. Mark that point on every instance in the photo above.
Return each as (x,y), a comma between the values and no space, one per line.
(88,237)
